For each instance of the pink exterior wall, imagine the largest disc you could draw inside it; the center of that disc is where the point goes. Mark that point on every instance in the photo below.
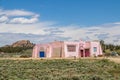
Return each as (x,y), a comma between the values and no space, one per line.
(35,51)
(81,45)
(37,47)
(56,44)
(71,54)
(87,45)
(98,46)
(48,48)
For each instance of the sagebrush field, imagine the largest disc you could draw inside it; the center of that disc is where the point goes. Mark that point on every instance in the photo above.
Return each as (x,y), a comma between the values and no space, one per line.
(43,69)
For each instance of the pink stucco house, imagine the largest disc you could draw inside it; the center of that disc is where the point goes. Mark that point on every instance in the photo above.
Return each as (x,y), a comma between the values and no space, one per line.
(65,49)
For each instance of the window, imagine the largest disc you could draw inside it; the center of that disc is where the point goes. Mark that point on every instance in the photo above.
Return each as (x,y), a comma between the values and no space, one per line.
(71,48)
(95,49)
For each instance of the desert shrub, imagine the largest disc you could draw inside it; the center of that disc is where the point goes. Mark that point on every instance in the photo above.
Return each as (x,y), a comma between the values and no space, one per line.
(104,61)
(83,69)
(100,55)
(24,53)
(107,54)
(118,52)
(24,56)
(96,78)
(10,49)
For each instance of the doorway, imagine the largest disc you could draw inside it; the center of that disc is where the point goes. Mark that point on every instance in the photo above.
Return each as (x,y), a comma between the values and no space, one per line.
(87,53)
(42,54)
(81,53)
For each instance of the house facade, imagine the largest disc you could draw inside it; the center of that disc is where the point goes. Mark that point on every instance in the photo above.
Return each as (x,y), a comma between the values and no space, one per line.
(66,49)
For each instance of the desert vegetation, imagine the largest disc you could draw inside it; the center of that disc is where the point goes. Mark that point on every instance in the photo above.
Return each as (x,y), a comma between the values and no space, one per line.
(24,53)
(44,69)
(108,49)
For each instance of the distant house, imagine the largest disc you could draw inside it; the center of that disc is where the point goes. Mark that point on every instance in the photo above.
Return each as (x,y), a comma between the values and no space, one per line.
(65,49)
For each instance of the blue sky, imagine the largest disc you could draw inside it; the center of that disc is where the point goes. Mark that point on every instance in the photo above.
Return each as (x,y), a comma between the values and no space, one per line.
(51,20)
(82,12)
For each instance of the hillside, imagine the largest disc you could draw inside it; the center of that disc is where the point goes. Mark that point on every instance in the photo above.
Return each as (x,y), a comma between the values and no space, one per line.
(19,48)
(21,43)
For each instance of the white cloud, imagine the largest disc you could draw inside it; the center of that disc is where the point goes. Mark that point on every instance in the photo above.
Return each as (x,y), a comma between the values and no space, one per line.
(17,13)
(35,28)
(96,32)
(18,16)
(117,23)
(23,20)
(3,18)
(50,31)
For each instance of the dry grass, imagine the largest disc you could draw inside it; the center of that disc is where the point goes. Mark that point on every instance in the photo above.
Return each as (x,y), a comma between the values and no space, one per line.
(115,59)
(56,69)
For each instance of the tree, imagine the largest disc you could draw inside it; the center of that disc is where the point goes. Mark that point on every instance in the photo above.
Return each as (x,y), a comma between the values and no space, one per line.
(103,45)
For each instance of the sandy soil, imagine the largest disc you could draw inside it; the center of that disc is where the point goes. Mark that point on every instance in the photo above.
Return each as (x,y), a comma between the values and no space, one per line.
(115,59)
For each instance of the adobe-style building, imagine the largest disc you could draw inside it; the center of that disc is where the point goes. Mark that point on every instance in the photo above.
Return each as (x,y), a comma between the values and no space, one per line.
(64,49)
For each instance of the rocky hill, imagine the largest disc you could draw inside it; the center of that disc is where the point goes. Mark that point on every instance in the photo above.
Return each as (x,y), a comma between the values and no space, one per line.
(22,43)
(17,46)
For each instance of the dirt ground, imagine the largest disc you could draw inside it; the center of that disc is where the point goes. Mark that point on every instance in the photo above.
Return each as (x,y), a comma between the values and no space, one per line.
(115,59)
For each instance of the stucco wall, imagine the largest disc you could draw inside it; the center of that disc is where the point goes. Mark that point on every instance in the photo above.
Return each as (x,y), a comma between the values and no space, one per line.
(95,44)
(71,54)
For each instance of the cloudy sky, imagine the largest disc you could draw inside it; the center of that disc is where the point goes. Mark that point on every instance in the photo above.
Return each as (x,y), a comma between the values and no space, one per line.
(43,21)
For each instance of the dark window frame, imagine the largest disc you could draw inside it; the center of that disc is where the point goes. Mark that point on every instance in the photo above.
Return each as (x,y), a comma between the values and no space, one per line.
(71,48)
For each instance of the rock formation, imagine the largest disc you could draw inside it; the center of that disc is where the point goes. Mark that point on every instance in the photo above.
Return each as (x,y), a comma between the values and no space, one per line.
(22,43)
